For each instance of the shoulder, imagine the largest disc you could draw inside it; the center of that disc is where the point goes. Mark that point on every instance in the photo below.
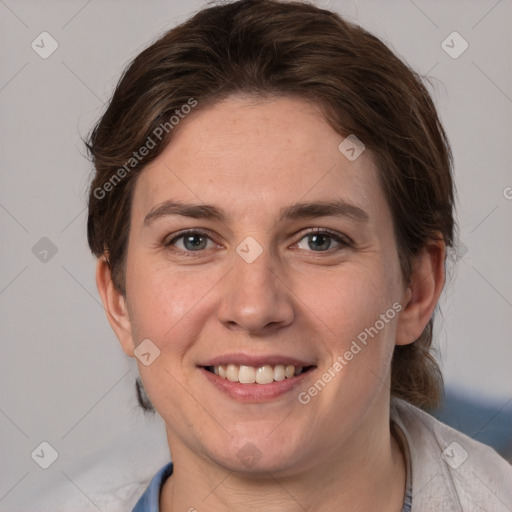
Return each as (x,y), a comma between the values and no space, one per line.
(450,470)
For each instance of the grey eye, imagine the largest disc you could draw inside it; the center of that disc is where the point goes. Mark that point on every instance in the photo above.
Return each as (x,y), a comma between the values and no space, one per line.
(320,241)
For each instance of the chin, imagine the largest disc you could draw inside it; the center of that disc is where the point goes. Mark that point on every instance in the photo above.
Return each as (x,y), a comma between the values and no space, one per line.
(259,454)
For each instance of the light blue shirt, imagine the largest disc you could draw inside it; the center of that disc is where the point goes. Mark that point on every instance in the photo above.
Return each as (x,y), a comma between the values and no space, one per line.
(150,500)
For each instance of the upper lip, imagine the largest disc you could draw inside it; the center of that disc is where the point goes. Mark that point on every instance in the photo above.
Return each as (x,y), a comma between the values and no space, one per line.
(256,360)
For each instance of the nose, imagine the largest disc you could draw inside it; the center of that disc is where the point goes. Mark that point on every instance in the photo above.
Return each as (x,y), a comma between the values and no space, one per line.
(255,297)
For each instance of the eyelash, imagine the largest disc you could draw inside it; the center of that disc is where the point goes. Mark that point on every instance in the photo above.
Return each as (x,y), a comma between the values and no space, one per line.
(344,241)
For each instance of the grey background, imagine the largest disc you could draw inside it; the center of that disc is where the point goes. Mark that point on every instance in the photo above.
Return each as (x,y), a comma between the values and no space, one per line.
(63,376)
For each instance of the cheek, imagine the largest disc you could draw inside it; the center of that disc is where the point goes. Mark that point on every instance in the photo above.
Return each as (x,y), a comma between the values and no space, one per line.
(164,302)
(357,315)
(164,307)
(347,301)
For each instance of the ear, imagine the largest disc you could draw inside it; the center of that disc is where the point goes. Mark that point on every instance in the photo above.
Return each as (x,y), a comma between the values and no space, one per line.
(115,306)
(422,293)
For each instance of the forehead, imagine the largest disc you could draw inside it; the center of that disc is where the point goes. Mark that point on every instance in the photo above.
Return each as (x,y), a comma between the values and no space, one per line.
(250,157)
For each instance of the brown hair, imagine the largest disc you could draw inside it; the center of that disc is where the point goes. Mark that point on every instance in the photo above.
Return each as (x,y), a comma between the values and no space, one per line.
(269,48)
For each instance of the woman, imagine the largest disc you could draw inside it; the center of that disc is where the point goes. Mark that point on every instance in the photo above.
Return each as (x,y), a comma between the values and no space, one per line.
(271,211)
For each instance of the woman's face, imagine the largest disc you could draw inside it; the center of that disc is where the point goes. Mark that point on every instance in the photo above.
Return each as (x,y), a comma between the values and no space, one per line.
(250,285)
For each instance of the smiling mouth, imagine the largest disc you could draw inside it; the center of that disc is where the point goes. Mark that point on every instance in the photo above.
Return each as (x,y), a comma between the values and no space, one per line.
(265,374)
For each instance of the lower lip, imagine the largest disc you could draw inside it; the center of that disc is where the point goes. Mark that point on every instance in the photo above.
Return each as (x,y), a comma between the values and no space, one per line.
(255,392)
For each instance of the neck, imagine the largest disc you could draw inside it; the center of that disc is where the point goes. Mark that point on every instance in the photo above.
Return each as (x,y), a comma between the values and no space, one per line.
(365,473)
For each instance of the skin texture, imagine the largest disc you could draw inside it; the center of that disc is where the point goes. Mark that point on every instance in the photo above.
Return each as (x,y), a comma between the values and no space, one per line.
(251,158)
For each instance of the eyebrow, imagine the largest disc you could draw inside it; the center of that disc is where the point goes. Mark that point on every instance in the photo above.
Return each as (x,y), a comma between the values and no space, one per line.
(335,208)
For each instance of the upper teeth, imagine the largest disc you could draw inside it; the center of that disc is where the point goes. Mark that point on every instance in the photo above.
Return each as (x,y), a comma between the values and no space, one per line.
(262,374)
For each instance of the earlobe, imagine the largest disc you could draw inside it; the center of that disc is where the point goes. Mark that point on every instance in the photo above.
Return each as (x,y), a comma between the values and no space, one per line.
(423,292)
(115,306)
